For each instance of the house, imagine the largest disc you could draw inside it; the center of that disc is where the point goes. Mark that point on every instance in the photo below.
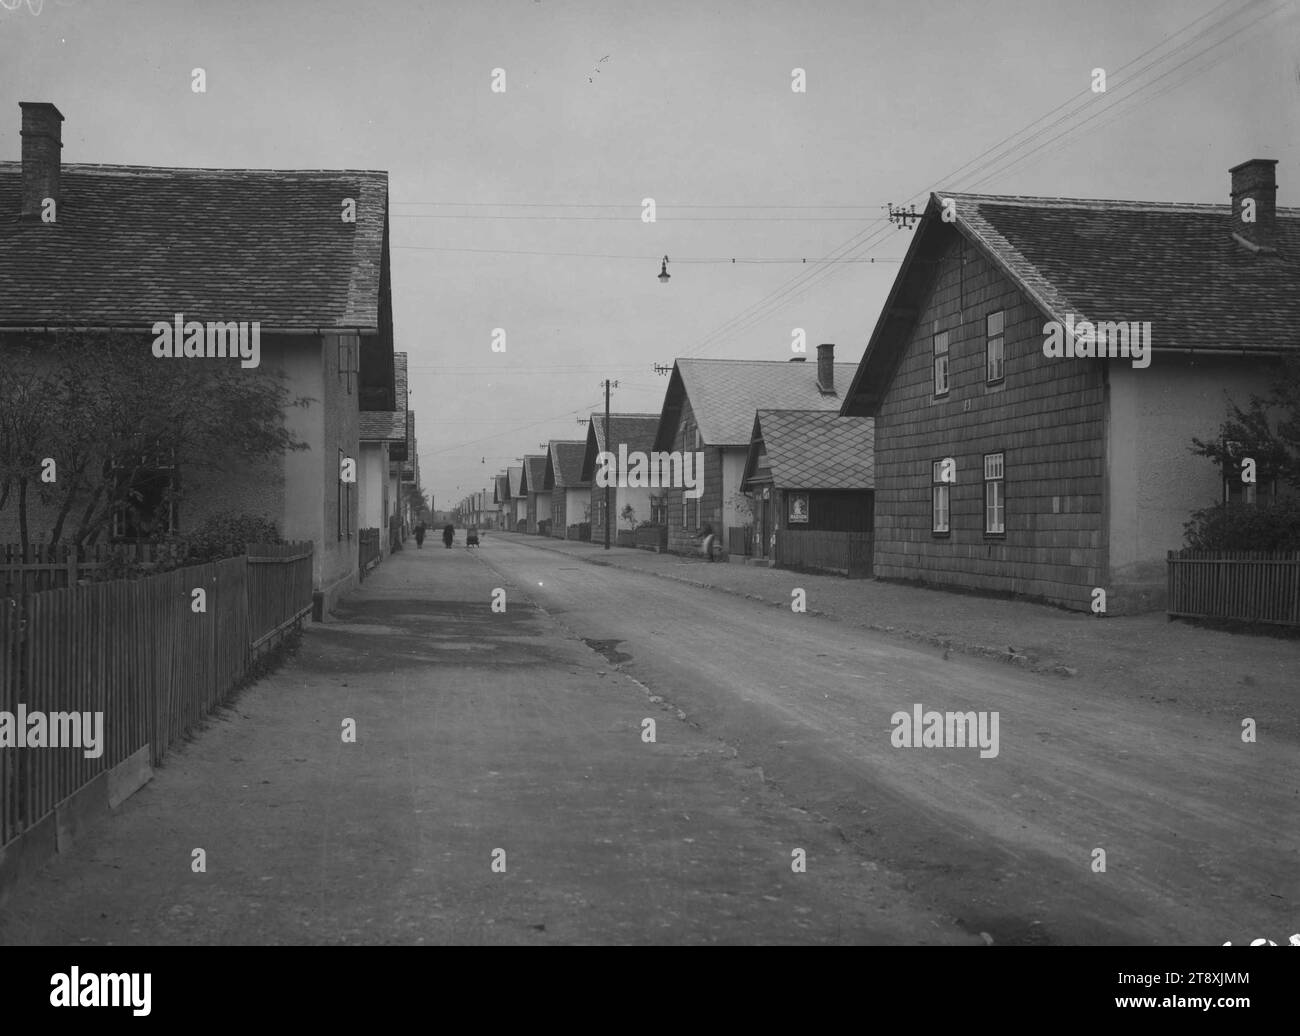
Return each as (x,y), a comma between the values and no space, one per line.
(809,471)
(1016,454)
(408,476)
(383,435)
(538,498)
(570,495)
(130,248)
(517,506)
(709,409)
(501,501)
(627,434)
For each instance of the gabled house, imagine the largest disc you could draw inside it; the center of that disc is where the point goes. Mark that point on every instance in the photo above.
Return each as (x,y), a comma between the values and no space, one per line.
(627,434)
(383,435)
(809,471)
(517,507)
(408,476)
(570,495)
(709,409)
(132,247)
(1040,369)
(500,501)
(533,486)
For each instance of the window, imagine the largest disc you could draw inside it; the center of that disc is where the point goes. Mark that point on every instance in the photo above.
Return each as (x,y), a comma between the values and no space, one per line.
(939,496)
(941,363)
(995,349)
(146,488)
(995,500)
(347,361)
(659,509)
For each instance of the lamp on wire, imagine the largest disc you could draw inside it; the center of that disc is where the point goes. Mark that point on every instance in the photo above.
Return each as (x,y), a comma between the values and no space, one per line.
(663,271)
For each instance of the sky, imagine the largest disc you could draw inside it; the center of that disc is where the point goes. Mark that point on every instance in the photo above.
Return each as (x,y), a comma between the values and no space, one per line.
(521,209)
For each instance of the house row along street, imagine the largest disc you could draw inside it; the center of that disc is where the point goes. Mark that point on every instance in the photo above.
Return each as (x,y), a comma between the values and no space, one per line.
(502,787)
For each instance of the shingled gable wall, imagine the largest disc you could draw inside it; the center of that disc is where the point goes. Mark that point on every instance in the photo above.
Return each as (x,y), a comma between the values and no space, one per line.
(1048,418)
(683,539)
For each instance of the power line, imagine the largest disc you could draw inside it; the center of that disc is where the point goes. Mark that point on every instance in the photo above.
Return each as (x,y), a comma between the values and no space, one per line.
(780,297)
(719,259)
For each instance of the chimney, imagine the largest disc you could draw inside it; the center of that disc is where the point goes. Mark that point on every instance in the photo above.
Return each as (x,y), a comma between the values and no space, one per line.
(42,142)
(826,369)
(1256,180)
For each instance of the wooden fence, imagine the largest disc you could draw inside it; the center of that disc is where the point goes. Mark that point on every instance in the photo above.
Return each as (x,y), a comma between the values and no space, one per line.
(1250,586)
(151,656)
(845,552)
(45,567)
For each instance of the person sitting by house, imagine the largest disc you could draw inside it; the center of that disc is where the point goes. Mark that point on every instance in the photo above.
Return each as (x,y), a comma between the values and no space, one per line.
(707,534)
(448,534)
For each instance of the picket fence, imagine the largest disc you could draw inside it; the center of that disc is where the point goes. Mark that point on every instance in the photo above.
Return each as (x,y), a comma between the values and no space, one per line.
(142,653)
(1250,586)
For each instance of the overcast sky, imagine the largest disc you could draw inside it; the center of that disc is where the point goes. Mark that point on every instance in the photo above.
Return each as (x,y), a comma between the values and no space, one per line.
(691,105)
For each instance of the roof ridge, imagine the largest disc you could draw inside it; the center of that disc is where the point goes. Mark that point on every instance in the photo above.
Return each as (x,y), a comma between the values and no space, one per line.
(117,167)
(1093,203)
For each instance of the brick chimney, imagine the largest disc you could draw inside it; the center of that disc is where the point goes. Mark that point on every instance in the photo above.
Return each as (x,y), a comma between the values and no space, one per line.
(826,369)
(42,142)
(1257,180)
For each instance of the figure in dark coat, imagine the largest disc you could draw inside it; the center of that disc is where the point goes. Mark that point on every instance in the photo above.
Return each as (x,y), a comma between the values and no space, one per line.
(448,534)
(419,535)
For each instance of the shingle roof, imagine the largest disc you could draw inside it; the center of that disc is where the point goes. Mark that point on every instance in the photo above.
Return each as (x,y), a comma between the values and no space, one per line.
(724,394)
(516,477)
(534,480)
(564,464)
(388,425)
(814,449)
(1176,265)
(636,431)
(137,244)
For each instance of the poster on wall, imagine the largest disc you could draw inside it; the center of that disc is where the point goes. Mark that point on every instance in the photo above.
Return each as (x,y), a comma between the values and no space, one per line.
(798,508)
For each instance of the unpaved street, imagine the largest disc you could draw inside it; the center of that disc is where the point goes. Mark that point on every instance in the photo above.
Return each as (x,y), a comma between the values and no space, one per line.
(480,731)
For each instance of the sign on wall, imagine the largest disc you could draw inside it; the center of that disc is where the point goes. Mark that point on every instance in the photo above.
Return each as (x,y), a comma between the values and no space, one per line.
(798,508)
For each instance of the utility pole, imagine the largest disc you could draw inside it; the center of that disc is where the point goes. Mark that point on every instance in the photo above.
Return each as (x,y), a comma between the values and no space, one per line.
(607,444)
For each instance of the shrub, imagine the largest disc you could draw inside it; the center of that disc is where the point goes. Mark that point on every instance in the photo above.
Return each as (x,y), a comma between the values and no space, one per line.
(226,535)
(1237,526)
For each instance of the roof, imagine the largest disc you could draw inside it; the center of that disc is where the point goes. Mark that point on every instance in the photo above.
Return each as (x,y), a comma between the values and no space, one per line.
(564,464)
(389,425)
(516,477)
(635,431)
(534,480)
(136,244)
(813,449)
(724,394)
(501,489)
(1174,264)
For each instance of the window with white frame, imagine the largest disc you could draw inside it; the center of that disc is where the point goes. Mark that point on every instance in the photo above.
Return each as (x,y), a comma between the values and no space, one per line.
(939,491)
(995,348)
(995,500)
(941,363)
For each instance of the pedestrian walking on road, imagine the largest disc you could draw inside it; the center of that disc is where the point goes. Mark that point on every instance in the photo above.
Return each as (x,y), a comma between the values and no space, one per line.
(448,534)
(419,535)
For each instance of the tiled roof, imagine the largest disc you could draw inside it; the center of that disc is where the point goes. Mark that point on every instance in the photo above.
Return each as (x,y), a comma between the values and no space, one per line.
(534,480)
(636,430)
(564,464)
(135,244)
(1176,265)
(516,477)
(388,424)
(815,449)
(724,394)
